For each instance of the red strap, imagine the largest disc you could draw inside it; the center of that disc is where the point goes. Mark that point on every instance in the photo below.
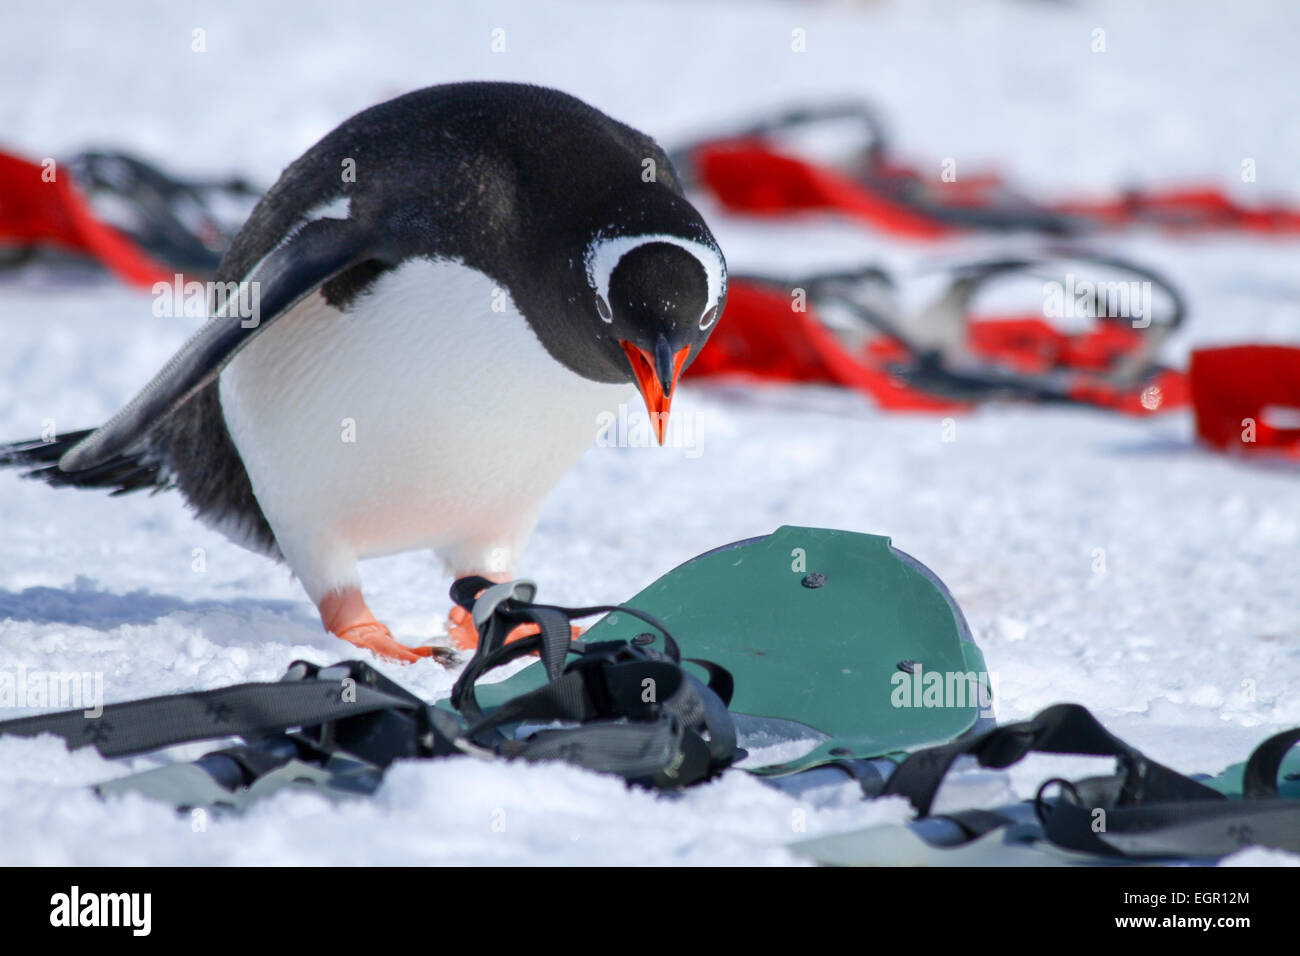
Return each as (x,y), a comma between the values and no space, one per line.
(749,177)
(1244,396)
(1030,344)
(763,338)
(1187,208)
(33,210)
(1167,392)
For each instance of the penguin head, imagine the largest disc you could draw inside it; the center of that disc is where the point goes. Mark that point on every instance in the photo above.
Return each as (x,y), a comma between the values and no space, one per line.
(655,300)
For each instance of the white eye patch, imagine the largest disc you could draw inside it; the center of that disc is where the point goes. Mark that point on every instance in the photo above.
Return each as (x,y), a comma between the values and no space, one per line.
(604,255)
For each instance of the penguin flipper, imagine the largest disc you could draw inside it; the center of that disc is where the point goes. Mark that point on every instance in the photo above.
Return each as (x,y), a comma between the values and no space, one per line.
(121,473)
(315,254)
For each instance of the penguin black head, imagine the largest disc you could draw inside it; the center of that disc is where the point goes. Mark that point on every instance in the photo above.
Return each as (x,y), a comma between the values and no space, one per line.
(657,299)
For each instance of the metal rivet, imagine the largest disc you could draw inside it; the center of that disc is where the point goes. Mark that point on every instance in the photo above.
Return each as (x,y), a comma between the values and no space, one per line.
(907,666)
(814,579)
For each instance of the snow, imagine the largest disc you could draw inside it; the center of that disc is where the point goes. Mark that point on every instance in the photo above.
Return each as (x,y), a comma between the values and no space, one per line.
(1188,645)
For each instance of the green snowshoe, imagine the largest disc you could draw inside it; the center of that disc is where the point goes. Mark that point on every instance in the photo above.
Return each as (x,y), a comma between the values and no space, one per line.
(832,636)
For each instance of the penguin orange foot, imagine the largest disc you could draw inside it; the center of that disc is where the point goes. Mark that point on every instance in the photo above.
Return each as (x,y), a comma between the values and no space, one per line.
(346,616)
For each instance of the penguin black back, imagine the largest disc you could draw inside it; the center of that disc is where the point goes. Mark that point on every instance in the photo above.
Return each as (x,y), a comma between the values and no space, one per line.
(510,179)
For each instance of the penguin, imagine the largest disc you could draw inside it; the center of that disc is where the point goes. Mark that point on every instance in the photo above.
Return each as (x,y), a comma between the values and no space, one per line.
(413,338)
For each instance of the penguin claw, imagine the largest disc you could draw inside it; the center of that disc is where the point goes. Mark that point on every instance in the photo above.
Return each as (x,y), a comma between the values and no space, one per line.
(345,615)
(379,640)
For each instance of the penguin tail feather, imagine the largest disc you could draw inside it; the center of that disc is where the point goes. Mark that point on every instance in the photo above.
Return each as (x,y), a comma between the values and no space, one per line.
(122,474)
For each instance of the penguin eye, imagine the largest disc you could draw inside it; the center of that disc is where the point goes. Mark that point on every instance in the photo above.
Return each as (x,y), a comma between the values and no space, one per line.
(708,318)
(603,308)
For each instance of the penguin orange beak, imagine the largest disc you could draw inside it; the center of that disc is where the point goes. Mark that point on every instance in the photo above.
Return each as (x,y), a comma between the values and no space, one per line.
(656,375)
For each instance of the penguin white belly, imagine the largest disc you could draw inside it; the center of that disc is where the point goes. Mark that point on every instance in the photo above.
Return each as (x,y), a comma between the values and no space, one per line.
(419,418)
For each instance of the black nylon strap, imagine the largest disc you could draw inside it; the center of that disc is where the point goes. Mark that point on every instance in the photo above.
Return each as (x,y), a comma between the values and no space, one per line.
(1060,729)
(253,709)
(564,698)
(556,635)
(493,651)
(590,691)
(1260,777)
(1176,830)
(701,705)
(630,750)
(1145,811)
(720,680)
(642,716)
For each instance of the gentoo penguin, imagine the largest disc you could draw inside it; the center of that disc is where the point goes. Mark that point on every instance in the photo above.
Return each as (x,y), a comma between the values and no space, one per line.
(451,288)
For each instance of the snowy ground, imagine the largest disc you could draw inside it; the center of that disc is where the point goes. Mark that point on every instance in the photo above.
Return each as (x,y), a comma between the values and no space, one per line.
(1186,645)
